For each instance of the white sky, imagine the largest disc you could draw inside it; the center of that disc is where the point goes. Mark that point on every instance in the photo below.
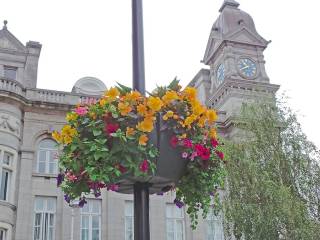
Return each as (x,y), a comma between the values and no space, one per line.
(93,38)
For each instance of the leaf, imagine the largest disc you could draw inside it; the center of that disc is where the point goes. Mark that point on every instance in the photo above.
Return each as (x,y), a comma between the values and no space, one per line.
(123,89)
(96,132)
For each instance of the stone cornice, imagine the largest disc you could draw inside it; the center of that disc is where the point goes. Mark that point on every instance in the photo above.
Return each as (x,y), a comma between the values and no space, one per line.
(240,87)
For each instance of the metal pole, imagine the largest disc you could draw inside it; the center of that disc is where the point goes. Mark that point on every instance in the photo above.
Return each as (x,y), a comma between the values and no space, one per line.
(141,190)
(137,47)
(141,211)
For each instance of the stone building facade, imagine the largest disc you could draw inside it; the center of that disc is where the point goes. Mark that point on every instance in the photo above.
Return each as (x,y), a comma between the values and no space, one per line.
(32,207)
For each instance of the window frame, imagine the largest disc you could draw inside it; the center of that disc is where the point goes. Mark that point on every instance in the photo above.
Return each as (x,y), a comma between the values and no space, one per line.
(3,233)
(47,161)
(175,219)
(211,226)
(10,68)
(128,216)
(43,213)
(90,214)
(9,169)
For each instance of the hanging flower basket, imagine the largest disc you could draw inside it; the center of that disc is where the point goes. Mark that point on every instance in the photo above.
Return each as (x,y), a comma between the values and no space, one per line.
(167,139)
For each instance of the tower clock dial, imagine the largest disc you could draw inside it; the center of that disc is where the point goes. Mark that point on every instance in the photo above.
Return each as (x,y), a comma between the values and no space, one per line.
(247,67)
(220,73)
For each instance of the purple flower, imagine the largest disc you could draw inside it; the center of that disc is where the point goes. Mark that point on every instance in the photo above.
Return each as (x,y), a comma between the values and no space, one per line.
(160,194)
(113,187)
(212,194)
(60,179)
(97,194)
(178,203)
(67,198)
(82,202)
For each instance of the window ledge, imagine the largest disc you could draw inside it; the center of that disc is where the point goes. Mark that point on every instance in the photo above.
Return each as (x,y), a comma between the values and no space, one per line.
(45,175)
(7,204)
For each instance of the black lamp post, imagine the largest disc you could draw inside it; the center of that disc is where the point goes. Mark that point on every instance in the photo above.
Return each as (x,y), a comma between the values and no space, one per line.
(141,190)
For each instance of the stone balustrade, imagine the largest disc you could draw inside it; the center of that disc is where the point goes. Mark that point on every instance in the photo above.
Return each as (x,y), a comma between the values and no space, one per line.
(44,95)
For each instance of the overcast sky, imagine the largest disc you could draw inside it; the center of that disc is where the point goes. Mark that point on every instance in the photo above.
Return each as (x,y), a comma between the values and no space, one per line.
(93,38)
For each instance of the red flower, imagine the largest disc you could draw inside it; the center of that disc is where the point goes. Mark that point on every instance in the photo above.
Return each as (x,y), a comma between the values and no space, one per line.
(214,142)
(220,154)
(202,151)
(199,149)
(205,154)
(121,168)
(111,128)
(174,141)
(187,143)
(144,166)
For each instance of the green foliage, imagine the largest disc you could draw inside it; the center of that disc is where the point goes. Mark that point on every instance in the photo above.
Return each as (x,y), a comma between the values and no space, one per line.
(273,177)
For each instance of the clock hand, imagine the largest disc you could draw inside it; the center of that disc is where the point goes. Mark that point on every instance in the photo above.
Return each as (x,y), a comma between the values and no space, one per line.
(244,67)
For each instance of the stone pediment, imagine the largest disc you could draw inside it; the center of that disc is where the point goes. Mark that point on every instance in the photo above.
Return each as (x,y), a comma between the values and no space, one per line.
(244,35)
(9,42)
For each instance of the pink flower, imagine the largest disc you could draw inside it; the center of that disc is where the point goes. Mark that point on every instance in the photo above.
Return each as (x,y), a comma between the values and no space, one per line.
(81,111)
(184,155)
(220,154)
(71,177)
(174,141)
(144,166)
(193,155)
(214,142)
(187,143)
(113,187)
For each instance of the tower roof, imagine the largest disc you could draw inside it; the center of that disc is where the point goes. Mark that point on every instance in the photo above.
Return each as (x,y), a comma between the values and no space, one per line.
(233,24)
(8,41)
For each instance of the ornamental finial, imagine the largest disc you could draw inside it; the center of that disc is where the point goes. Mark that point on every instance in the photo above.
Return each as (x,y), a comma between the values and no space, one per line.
(5,22)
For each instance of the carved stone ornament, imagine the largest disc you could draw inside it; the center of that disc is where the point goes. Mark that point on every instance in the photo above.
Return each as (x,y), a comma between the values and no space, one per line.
(10,124)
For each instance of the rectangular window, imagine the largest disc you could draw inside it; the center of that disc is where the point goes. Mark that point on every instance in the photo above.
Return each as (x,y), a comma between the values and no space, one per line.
(3,234)
(44,218)
(175,222)
(214,227)
(90,228)
(5,174)
(129,228)
(10,72)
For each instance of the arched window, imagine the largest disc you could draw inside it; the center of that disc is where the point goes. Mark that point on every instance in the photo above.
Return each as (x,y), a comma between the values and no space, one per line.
(47,157)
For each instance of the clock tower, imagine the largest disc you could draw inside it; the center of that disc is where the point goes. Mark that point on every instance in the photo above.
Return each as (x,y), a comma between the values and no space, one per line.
(234,55)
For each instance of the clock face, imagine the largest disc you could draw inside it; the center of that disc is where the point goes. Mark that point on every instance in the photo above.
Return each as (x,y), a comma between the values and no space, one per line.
(220,73)
(247,67)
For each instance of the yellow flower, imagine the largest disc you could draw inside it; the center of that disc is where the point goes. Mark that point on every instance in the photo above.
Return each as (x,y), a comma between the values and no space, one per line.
(57,136)
(130,131)
(213,133)
(146,125)
(93,115)
(112,93)
(67,130)
(211,116)
(71,116)
(142,109)
(189,120)
(202,121)
(190,93)
(67,139)
(175,117)
(133,96)
(154,103)
(170,114)
(197,108)
(143,139)
(124,108)
(102,102)
(170,96)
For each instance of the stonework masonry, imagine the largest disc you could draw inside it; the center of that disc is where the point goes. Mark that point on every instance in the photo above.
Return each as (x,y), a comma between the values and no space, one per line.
(235,74)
